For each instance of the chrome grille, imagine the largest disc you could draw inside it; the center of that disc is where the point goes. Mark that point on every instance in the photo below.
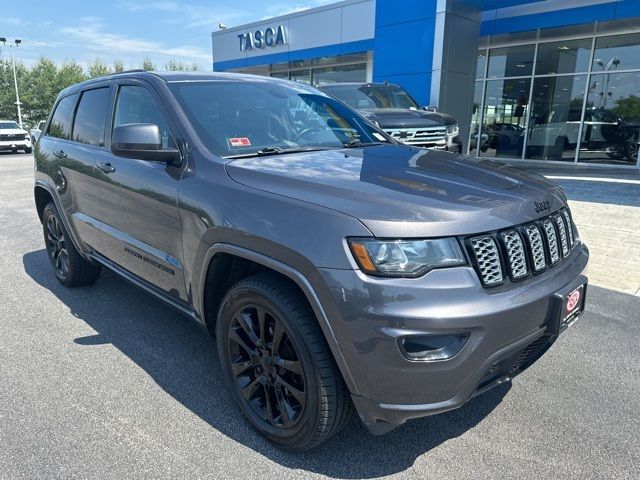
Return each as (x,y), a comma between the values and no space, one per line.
(536,246)
(432,136)
(488,260)
(562,230)
(515,254)
(548,241)
(552,240)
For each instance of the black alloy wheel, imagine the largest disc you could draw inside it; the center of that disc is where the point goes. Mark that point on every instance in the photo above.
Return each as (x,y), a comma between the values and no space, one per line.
(57,246)
(277,365)
(266,366)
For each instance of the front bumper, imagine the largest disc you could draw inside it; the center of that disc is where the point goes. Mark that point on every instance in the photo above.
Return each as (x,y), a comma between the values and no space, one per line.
(15,144)
(369,315)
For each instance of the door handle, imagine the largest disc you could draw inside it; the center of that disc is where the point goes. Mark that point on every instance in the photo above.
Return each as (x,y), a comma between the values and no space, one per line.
(105,167)
(60,154)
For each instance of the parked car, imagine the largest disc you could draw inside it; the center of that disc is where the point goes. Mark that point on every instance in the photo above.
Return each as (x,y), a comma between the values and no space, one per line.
(14,138)
(36,131)
(602,131)
(484,141)
(338,268)
(399,115)
(504,136)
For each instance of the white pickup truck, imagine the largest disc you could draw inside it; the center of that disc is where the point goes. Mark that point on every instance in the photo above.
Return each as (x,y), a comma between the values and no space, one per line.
(602,131)
(14,138)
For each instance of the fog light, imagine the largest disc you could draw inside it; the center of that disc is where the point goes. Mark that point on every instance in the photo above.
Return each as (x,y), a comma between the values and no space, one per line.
(429,348)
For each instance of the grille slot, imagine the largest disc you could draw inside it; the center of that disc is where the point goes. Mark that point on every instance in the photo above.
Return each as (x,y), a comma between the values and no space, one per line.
(562,230)
(536,246)
(552,241)
(522,250)
(567,219)
(515,254)
(486,253)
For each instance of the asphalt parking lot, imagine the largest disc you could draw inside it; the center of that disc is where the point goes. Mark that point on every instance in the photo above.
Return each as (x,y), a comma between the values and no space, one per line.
(106,382)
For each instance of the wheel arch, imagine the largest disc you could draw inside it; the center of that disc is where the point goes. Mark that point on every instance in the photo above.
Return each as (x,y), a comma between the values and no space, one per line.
(226,264)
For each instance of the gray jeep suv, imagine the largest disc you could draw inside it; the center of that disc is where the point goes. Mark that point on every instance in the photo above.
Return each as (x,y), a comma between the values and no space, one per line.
(336,268)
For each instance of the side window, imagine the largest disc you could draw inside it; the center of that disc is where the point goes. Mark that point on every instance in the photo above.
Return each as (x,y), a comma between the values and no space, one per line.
(137,105)
(91,117)
(60,126)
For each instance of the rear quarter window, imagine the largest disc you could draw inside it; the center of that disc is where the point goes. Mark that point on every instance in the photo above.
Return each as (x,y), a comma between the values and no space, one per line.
(60,126)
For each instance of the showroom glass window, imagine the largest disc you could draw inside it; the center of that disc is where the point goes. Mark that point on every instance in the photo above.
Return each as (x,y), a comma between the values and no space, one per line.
(91,117)
(573,100)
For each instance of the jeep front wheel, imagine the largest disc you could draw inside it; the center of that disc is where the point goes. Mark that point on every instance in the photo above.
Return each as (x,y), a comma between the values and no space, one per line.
(277,364)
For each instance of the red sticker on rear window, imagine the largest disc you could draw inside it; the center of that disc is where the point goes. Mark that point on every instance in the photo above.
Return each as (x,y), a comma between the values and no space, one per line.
(240,142)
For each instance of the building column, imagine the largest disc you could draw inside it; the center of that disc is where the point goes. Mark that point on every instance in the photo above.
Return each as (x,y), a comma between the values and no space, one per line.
(430,48)
(456,37)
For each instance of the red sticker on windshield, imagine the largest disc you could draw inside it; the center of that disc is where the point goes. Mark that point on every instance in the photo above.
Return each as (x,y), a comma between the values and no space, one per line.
(240,142)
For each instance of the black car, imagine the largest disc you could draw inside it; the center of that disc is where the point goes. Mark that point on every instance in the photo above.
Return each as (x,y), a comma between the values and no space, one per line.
(399,115)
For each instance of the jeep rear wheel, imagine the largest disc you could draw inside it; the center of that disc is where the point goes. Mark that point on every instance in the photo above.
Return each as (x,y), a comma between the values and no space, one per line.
(71,269)
(277,364)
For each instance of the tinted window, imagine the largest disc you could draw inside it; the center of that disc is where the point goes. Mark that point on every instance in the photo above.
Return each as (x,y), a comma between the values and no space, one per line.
(9,126)
(372,96)
(91,117)
(137,105)
(61,122)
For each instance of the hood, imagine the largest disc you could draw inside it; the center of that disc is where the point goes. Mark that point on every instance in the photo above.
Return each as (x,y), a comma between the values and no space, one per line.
(398,117)
(401,191)
(13,131)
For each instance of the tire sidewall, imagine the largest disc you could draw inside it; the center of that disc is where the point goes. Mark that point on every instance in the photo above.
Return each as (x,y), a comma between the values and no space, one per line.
(50,210)
(241,297)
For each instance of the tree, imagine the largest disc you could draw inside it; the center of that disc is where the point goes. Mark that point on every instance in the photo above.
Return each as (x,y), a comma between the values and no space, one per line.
(148,65)
(118,66)
(627,108)
(173,65)
(98,69)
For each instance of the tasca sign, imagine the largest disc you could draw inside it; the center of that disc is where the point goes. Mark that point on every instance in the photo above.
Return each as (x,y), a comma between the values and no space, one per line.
(269,37)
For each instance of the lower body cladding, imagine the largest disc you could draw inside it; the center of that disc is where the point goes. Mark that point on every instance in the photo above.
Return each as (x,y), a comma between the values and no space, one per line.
(417,347)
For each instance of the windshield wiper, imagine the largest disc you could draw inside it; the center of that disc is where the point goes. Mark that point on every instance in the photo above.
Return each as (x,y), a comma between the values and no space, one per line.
(266,151)
(358,144)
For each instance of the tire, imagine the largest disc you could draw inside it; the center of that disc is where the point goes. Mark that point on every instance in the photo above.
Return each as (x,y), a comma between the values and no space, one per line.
(315,400)
(14,150)
(70,268)
(28,150)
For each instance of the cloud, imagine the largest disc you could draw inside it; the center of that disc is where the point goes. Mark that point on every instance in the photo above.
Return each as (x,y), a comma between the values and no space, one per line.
(190,15)
(93,35)
(15,21)
(280,9)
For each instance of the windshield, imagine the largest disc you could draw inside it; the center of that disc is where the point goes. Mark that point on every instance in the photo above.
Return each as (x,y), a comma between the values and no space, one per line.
(368,97)
(9,125)
(240,118)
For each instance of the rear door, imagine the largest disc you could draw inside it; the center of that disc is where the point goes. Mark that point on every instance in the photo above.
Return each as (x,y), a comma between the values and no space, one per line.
(70,162)
(139,214)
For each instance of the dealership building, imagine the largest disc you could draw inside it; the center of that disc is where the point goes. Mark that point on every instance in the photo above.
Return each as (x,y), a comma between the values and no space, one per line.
(527,80)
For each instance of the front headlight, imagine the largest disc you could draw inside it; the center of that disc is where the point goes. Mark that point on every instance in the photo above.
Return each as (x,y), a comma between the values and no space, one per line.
(453,130)
(405,258)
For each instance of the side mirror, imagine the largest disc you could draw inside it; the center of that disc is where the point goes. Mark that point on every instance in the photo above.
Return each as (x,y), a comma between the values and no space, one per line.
(142,141)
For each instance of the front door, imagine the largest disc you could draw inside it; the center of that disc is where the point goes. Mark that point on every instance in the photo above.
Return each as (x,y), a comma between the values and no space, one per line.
(140,218)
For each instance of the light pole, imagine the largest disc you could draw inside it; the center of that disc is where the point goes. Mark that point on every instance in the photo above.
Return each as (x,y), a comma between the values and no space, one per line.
(16,43)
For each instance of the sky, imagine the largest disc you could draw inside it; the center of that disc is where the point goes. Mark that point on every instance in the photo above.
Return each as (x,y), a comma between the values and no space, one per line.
(129,30)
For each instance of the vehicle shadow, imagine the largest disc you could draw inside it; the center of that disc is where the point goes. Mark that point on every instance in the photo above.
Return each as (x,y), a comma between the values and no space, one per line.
(181,358)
